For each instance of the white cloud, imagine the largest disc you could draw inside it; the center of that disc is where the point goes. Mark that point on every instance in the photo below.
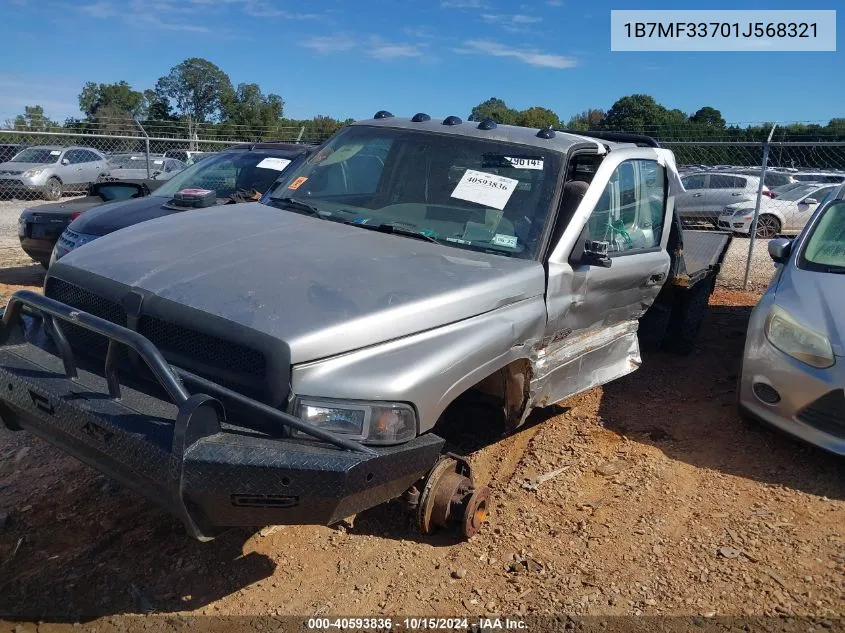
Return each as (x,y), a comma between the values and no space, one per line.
(98,9)
(510,22)
(381,49)
(554,3)
(327,44)
(462,4)
(530,56)
(373,46)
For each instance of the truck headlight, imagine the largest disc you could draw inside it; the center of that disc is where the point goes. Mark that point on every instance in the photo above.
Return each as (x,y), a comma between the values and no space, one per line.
(798,341)
(369,422)
(30,173)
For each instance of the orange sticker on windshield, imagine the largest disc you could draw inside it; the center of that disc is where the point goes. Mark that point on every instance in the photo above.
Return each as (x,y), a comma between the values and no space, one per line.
(296,184)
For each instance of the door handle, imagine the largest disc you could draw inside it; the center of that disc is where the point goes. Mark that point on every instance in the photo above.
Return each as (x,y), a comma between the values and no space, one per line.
(736,194)
(696,195)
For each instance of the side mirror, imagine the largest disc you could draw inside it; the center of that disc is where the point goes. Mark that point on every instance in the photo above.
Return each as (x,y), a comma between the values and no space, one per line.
(65,161)
(780,249)
(810,201)
(595,254)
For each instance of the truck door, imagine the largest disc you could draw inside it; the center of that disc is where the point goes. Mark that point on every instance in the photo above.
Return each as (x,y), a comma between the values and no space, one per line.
(593,302)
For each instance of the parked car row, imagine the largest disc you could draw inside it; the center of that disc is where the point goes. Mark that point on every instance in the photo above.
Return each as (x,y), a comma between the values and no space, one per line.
(725,198)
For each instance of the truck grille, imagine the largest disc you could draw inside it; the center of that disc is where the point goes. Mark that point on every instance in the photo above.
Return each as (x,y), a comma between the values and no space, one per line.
(233,365)
(827,413)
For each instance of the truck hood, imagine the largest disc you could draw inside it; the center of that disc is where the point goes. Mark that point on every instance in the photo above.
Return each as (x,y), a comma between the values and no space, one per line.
(322,287)
(817,300)
(112,216)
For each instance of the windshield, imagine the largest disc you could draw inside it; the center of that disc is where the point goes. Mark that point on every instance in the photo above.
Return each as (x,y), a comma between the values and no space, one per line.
(824,249)
(38,155)
(796,194)
(465,192)
(134,162)
(229,173)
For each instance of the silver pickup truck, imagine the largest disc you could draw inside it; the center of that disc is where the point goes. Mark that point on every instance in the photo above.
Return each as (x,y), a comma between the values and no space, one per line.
(289,361)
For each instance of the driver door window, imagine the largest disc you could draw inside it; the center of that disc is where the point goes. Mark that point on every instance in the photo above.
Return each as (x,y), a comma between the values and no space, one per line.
(629,215)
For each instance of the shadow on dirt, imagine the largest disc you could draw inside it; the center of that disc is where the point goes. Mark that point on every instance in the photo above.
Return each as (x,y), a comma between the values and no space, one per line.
(692,416)
(32,275)
(128,558)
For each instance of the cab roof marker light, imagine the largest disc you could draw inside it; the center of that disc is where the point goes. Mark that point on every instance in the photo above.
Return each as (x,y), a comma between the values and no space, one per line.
(452,120)
(487,124)
(546,133)
(420,117)
(383,114)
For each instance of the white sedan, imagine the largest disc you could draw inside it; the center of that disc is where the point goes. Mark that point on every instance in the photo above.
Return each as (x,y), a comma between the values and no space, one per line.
(785,215)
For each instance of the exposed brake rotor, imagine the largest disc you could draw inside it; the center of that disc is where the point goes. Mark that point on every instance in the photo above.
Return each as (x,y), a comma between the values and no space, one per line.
(450,498)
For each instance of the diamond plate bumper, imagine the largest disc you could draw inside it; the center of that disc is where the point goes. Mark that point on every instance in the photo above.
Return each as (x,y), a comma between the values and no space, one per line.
(177,446)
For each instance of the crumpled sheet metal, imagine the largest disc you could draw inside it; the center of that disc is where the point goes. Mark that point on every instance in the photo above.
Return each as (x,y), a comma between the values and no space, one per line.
(577,363)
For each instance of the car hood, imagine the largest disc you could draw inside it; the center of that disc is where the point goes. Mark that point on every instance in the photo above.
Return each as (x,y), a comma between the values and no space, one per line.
(23,166)
(322,287)
(749,205)
(62,209)
(817,300)
(112,216)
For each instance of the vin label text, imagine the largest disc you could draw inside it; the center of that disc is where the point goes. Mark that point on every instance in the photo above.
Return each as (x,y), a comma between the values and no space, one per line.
(709,30)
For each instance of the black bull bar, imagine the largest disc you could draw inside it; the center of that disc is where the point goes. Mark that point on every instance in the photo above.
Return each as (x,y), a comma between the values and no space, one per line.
(180,450)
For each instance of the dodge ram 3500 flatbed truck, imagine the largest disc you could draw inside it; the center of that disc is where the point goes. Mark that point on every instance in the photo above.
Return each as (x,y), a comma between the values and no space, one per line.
(287,363)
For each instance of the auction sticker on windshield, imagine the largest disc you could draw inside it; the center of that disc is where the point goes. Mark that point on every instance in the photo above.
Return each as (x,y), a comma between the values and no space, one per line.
(271,162)
(482,188)
(296,184)
(525,163)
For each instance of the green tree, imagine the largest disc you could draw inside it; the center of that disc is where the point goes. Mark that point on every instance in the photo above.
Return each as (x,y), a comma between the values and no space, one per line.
(198,88)
(587,120)
(708,117)
(496,109)
(639,113)
(248,107)
(539,117)
(32,120)
(117,99)
(156,107)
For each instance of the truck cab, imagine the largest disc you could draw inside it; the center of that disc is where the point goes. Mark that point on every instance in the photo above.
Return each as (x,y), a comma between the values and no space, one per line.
(293,366)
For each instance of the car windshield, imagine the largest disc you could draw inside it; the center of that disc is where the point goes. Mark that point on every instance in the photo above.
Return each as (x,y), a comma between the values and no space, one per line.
(134,162)
(824,249)
(461,191)
(796,194)
(38,155)
(229,173)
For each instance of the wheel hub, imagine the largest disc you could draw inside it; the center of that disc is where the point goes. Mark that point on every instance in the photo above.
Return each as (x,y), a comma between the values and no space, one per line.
(449,498)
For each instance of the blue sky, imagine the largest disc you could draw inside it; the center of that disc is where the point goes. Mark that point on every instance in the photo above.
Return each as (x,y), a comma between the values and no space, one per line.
(351,58)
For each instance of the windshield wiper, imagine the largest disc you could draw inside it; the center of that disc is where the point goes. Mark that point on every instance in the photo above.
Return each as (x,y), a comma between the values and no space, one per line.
(295,203)
(395,230)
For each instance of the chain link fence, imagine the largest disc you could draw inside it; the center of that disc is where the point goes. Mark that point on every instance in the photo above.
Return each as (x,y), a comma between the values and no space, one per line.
(722,178)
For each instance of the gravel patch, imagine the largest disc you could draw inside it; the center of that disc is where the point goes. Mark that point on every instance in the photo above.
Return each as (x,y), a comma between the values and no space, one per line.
(733,268)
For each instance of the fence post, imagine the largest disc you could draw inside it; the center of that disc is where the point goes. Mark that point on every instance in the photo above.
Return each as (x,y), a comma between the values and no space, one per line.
(301,132)
(752,238)
(147,147)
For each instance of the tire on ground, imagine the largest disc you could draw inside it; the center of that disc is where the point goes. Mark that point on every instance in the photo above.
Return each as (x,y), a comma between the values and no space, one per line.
(688,312)
(653,326)
(768,226)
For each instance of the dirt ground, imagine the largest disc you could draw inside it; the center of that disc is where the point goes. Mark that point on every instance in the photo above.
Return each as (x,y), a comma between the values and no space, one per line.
(667,504)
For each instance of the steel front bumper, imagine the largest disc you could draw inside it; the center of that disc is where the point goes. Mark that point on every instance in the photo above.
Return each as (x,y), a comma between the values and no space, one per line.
(180,450)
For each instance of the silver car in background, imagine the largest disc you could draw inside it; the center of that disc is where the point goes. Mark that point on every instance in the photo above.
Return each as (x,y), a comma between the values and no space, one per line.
(135,167)
(708,193)
(793,367)
(51,170)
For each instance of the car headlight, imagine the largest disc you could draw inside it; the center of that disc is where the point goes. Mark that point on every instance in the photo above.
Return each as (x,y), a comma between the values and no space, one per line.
(798,341)
(29,173)
(369,422)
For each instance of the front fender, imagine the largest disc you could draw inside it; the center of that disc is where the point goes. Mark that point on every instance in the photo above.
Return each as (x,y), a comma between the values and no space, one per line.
(429,369)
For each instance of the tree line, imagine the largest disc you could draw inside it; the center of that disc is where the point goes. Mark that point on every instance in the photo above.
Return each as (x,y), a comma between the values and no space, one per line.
(197,98)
